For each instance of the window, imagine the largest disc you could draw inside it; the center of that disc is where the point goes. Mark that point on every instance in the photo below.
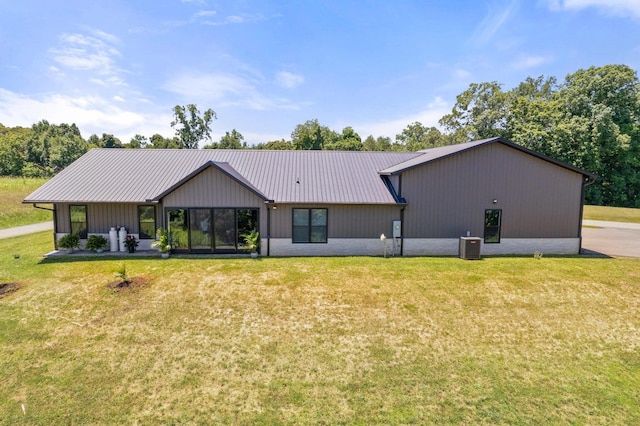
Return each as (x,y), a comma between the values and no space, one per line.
(492,223)
(309,225)
(147,222)
(78,215)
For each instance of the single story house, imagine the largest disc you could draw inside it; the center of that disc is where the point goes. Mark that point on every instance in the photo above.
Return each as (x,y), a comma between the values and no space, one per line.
(326,202)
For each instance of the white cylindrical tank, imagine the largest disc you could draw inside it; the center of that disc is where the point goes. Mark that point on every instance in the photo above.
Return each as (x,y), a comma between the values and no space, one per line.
(113,239)
(122,237)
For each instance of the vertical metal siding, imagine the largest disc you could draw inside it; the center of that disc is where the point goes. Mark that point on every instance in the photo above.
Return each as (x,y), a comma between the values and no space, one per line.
(63,220)
(212,188)
(343,221)
(447,198)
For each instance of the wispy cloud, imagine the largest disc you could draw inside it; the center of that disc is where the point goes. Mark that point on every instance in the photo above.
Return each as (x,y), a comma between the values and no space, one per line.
(289,80)
(86,51)
(428,117)
(608,7)
(497,15)
(225,89)
(524,62)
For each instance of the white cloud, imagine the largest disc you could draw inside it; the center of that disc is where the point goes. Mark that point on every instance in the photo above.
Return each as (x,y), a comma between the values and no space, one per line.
(86,52)
(497,16)
(92,114)
(611,7)
(524,62)
(289,80)
(428,117)
(225,89)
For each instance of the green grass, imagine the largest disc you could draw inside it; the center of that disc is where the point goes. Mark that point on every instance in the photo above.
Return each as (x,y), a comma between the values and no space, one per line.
(13,212)
(613,214)
(504,340)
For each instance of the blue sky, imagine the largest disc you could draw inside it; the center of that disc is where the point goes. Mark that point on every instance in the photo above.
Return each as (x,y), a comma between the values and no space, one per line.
(119,66)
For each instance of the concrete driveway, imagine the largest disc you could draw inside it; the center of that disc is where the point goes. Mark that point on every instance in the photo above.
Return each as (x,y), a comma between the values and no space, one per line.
(611,238)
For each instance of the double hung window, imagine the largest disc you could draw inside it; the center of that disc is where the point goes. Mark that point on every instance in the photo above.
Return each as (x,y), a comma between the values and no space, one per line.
(309,225)
(78,215)
(147,222)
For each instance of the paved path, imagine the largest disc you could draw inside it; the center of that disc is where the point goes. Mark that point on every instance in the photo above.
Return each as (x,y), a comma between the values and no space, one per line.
(611,238)
(26,229)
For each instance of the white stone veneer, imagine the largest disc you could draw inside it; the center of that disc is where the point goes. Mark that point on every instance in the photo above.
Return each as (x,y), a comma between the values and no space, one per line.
(420,247)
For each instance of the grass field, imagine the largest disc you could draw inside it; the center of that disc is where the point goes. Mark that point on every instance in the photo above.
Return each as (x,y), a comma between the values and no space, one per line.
(13,212)
(613,214)
(504,340)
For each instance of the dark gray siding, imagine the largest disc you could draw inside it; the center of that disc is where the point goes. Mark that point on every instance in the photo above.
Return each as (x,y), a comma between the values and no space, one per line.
(212,188)
(447,197)
(101,217)
(343,221)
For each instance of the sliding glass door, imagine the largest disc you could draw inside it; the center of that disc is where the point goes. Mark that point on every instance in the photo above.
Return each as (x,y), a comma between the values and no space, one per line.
(210,230)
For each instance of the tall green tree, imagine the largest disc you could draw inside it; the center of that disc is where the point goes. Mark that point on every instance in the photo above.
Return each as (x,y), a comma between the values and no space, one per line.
(191,126)
(106,141)
(381,143)
(599,130)
(52,147)
(415,137)
(479,112)
(12,143)
(233,140)
(311,135)
(160,142)
(348,140)
(275,145)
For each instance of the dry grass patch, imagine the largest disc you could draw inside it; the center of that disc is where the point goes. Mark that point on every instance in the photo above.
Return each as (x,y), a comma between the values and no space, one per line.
(14,213)
(613,214)
(329,341)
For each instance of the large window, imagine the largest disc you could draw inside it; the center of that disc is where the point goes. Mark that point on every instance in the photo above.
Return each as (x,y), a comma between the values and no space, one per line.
(492,224)
(309,225)
(78,215)
(147,222)
(206,230)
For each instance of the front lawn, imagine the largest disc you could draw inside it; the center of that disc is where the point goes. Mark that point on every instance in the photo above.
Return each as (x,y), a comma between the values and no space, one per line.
(319,340)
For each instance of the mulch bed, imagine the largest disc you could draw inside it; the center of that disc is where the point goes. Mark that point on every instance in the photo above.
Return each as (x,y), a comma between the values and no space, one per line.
(131,284)
(6,288)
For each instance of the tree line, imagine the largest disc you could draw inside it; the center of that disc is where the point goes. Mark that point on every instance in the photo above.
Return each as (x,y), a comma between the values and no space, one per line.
(590,120)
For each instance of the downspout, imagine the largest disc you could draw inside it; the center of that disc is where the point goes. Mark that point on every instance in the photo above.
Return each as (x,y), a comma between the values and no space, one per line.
(402,231)
(55,222)
(269,204)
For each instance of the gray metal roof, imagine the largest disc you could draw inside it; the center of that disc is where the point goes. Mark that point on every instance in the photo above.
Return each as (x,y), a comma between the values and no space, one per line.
(432,154)
(139,175)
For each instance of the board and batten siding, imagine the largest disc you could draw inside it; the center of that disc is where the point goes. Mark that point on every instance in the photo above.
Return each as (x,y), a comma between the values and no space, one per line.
(102,216)
(212,188)
(343,221)
(448,197)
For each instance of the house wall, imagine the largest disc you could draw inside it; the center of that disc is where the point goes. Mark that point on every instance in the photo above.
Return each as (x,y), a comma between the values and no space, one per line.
(448,197)
(102,216)
(212,188)
(343,221)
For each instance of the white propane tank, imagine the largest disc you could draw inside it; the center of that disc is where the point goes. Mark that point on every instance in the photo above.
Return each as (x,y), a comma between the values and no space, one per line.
(113,239)
(123,236)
